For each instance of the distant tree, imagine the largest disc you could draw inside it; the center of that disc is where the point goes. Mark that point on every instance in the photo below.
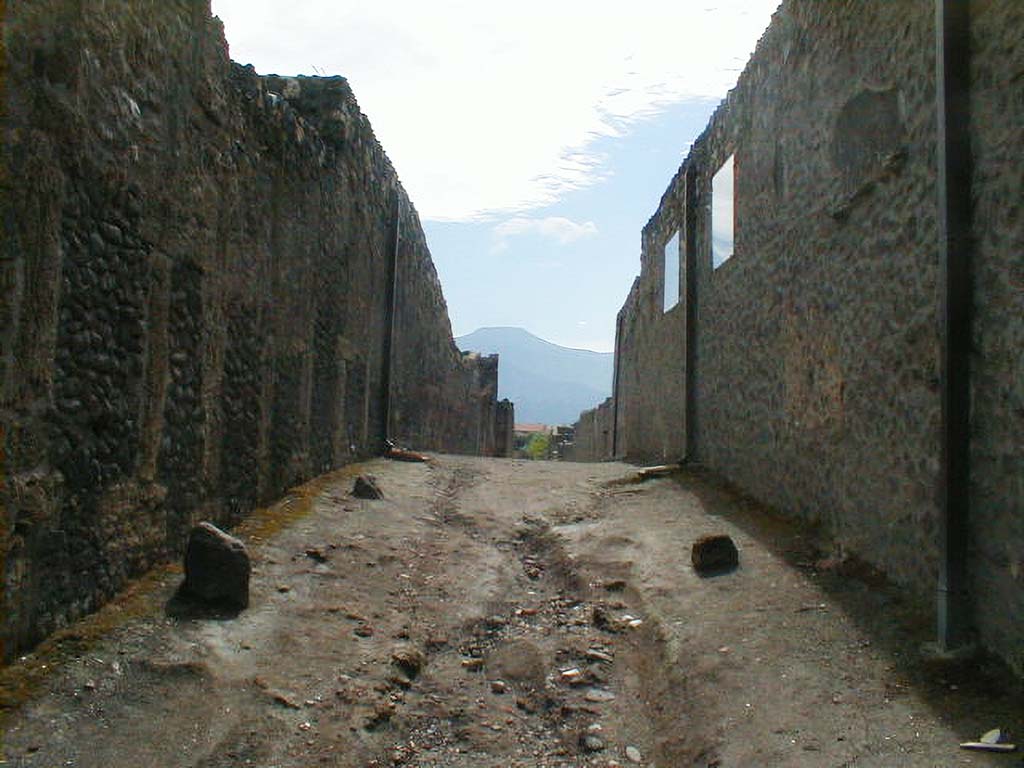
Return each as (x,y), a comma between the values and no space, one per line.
(539,446)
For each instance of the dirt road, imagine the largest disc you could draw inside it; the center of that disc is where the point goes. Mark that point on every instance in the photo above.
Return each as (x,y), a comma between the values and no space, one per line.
(505,613)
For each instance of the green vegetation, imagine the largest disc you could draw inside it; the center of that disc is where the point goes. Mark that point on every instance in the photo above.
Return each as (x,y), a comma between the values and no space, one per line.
(539,446)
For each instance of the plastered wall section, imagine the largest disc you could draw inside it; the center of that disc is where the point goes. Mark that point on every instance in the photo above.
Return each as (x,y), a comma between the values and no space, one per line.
(198,271)
(997,415)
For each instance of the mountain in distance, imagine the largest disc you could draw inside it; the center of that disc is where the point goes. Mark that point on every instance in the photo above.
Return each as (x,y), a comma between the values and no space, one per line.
(549,384)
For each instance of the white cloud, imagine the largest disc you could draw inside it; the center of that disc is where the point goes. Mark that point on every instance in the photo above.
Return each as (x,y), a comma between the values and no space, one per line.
(557,228)
(487,107)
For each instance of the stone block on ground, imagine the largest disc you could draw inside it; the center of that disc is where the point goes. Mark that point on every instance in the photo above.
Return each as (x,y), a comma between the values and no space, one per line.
(714,554)
(662,470)
(216,567)
(400,454)
(366,488)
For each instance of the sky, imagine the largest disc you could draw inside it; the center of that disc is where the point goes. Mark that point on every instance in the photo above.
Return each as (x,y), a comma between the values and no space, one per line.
(534,138)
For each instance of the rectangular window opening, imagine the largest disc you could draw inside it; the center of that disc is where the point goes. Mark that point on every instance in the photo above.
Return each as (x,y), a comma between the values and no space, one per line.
(671,273)
(723,213)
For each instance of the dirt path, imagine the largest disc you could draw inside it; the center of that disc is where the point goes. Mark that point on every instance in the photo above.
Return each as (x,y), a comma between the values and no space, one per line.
(507,613)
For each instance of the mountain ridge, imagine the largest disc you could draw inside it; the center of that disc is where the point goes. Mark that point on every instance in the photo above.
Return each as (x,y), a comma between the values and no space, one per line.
(549,383)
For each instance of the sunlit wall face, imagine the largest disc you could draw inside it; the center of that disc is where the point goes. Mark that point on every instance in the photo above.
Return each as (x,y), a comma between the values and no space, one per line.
(723,213)
(671,292)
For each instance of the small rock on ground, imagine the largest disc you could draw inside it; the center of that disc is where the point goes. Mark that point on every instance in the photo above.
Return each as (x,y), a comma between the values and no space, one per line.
(592,742)
(366,488)
(714,554)
(217,567)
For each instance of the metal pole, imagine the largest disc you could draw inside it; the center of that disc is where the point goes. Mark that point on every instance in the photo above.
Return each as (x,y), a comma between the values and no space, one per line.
(952,58)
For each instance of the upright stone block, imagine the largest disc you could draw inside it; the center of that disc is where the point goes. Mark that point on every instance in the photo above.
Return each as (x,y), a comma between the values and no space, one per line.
(216,567)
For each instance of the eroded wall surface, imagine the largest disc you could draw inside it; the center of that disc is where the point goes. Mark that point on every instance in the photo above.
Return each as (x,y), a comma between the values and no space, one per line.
(997,445)
(200,280)
(817,353)
(650,350)
(817,357)
(504,429)
(593,434)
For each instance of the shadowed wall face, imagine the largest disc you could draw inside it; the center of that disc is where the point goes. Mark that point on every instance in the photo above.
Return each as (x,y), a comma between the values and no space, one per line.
(196,276)
(997,449)
(817,342)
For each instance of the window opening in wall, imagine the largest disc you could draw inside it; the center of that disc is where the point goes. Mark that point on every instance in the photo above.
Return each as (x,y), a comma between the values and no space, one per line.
(723,213)
(671,273)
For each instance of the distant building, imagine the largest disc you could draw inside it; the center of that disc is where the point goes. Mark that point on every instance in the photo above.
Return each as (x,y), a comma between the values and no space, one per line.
(523,433)
(563,439)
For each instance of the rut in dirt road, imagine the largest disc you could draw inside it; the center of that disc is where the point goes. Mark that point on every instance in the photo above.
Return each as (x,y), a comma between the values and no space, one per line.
(544,668)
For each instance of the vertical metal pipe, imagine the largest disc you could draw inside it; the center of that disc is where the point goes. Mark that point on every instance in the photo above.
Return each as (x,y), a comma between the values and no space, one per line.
(952,59)
(690,268)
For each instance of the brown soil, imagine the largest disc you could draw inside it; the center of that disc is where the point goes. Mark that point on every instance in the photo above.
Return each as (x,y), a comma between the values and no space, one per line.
(505,613)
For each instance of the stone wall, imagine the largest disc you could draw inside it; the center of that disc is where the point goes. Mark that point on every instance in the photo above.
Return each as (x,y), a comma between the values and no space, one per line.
(504,429)
(649,351)
(593,433)
(817,357)
(997,447)
(214,287)
(483,440)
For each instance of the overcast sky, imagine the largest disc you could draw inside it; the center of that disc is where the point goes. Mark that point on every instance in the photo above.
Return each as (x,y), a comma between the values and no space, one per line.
(535,138)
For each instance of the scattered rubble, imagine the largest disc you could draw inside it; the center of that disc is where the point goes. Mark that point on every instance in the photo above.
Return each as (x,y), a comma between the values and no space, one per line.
(596,654)
(604,620)
(408,660)
(317,555)
(591,742)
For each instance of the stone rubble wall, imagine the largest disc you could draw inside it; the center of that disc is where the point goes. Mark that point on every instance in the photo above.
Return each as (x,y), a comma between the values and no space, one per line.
(593,434)
(196,271)
(504,429)
(817,360)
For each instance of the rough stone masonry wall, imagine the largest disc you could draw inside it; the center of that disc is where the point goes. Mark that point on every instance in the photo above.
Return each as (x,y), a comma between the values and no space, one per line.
(196,278)
(504,429)
(593,434)
(817,368)
(650,351)
(585,443)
